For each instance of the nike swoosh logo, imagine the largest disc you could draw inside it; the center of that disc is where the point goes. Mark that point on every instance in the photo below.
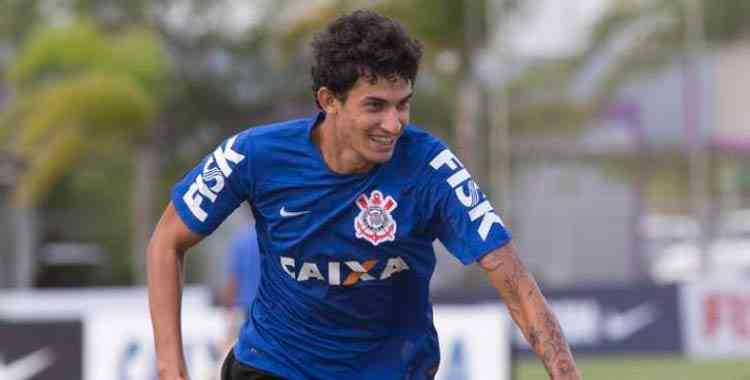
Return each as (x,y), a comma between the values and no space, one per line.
(28,366)
(620,326)
(290,214)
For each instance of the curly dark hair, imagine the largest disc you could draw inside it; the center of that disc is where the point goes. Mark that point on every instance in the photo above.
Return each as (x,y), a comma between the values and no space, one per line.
(362,44)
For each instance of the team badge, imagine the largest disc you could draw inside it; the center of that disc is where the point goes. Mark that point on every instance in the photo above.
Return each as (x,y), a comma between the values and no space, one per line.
(374,222)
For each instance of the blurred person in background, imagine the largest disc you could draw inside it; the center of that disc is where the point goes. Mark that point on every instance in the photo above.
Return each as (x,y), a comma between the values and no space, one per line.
(347,204)
(242,269)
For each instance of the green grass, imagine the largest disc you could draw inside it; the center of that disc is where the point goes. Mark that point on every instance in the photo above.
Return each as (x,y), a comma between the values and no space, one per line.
(652,367)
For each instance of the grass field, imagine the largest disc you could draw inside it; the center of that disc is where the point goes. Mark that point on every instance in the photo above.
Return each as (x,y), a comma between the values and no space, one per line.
(652,367)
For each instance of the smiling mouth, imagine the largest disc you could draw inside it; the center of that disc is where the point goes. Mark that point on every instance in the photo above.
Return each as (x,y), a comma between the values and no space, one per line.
(383,141)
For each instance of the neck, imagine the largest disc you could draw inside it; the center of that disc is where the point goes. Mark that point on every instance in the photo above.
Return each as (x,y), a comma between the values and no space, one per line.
(337,155)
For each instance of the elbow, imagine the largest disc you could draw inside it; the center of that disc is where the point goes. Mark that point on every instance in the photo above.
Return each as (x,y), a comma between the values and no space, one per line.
(159,248)
(492,261)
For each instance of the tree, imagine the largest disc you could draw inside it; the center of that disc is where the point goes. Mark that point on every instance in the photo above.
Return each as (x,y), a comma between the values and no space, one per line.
(80,92)
(219,79)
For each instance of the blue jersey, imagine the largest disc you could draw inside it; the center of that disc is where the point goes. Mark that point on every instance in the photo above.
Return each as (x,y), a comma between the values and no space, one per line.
(346,260)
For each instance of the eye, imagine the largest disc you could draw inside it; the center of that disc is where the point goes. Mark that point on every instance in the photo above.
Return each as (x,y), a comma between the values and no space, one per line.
(403,106)
(374,106)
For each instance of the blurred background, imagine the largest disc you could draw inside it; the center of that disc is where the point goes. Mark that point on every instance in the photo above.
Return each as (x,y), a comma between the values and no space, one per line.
(612,135)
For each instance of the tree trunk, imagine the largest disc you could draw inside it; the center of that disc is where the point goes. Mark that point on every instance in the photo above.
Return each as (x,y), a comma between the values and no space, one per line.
(471,111)
(145,173)
(25,243)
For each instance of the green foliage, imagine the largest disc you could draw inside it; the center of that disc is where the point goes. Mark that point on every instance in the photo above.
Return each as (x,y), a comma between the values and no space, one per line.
(98,106)
(92,204)
(438,23)
(16,18)
(62,52)
(727,20)
(79,91)
(139,54)
(46,166)
(58,52)
(555,118)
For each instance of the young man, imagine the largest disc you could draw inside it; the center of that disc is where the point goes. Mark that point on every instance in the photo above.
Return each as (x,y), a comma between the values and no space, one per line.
(347,205)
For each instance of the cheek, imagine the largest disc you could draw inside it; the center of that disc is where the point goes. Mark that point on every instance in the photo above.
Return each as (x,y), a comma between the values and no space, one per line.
(364,124)
(404,116)
(404,120)
(354,130)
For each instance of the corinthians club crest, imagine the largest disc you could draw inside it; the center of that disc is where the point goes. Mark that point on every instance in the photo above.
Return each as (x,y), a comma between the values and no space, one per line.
(374,222)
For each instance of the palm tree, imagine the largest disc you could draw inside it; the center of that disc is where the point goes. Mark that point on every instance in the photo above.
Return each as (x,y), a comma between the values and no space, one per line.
(80,92)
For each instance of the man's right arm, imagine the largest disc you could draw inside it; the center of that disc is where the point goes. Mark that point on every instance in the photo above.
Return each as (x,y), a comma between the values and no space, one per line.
(166,250)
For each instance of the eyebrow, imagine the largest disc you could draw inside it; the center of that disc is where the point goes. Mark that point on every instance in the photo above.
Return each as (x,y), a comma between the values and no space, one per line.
(375,98)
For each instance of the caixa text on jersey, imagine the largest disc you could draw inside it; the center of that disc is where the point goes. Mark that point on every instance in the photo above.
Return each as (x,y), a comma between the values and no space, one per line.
(346,273)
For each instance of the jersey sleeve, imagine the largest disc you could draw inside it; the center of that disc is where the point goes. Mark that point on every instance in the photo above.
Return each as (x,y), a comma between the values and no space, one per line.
(460,215)
(212,190)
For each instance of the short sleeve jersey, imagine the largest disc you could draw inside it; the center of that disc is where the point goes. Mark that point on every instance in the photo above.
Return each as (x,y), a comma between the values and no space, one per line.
(346,260)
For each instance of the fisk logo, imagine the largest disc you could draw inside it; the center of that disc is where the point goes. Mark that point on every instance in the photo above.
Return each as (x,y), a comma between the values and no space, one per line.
(467,192)
(358,271)
(210,183)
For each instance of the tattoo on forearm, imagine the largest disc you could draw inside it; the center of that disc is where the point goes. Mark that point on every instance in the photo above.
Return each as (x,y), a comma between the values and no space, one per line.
(534,336)
(565,367)
(516,274)
(554,350)
(527,306)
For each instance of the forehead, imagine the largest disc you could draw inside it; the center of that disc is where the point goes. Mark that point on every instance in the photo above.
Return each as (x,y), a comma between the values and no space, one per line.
(383,88)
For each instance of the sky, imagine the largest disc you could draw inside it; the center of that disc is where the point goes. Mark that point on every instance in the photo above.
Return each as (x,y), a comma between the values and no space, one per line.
(554,27)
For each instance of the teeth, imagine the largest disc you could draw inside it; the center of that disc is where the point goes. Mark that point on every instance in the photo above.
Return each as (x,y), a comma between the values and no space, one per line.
(382,140)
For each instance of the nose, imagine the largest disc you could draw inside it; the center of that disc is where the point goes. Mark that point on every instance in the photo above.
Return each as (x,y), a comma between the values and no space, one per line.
(392,123)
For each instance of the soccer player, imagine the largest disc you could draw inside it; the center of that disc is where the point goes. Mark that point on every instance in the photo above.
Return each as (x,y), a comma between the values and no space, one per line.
(347,204)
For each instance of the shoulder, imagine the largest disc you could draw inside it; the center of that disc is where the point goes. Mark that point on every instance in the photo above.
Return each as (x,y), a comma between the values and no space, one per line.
(429,159)
(265,134)
(418,137)
(417,148)
(418,143)
(267,141)
(281,129)
(254,142)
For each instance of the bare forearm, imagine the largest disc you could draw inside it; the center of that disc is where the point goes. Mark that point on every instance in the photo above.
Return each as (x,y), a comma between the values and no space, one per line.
(165,293)
(545,336)
(531,313)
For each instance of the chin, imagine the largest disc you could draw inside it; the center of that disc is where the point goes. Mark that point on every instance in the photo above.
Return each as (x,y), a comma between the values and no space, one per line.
(380,158)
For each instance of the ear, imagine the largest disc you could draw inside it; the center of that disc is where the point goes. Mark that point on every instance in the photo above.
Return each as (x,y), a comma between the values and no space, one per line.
(328,101)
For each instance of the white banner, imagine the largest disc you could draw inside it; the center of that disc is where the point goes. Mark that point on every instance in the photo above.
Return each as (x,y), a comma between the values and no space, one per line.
(474,342)
(118,342)
(120,346)
(716,318)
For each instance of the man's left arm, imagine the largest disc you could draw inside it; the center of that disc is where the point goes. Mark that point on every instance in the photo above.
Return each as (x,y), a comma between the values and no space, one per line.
(529,309)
